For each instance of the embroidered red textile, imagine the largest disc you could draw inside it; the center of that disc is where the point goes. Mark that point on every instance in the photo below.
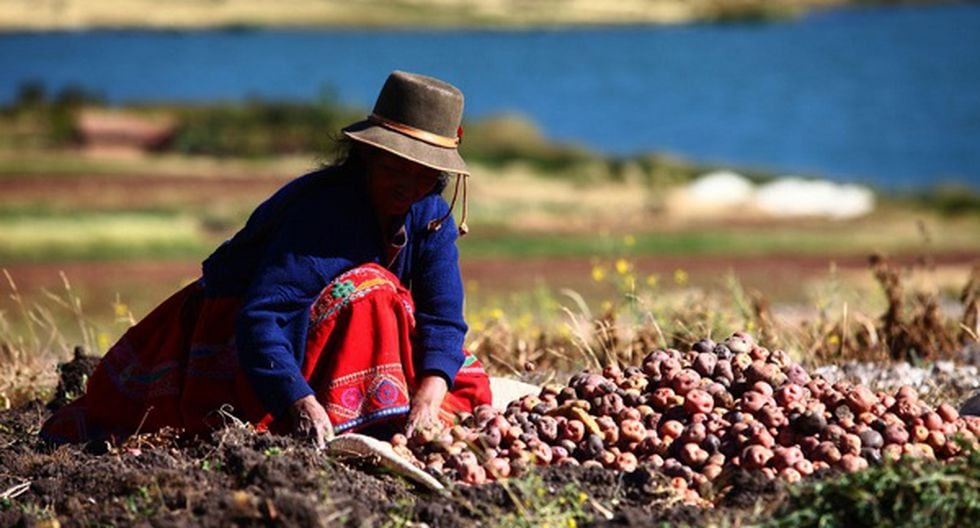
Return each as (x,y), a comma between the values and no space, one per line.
(178,367)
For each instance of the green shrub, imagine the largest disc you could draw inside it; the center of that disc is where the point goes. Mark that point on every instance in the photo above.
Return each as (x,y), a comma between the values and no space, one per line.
(910,492)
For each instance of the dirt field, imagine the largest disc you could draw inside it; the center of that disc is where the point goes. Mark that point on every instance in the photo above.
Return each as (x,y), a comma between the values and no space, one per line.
(235,476)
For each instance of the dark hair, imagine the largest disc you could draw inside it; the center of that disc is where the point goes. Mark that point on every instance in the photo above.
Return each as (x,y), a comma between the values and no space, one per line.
(346,157)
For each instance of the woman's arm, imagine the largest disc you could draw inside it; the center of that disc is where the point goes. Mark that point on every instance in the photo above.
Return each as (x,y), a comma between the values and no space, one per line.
(229,269)
(273,320)
(437,290)
(270,320)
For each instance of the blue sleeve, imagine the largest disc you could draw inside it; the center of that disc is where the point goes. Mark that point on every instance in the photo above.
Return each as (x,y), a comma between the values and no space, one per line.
(437,290)
(229,269)
(271,327)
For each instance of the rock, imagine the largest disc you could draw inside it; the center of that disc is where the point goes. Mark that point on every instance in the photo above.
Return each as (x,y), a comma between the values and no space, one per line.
(971,407)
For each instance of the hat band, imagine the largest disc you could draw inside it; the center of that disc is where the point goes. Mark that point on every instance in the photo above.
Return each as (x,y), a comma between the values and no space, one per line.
(417,133)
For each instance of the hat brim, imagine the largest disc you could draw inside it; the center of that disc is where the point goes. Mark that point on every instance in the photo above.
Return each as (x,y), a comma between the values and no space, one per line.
(439,158)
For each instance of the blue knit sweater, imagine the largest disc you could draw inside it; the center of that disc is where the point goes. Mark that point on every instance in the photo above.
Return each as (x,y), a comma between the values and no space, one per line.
(297,242)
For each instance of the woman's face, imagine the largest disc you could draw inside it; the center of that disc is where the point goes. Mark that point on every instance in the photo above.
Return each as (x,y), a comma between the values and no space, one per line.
(396,183)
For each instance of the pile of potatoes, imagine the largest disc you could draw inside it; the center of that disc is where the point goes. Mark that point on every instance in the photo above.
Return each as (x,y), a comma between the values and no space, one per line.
(694,415)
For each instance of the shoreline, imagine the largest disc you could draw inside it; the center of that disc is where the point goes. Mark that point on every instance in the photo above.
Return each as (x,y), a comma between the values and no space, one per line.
(422,15)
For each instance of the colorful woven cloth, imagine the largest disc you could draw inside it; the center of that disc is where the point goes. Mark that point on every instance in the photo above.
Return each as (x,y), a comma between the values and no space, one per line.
(178,366)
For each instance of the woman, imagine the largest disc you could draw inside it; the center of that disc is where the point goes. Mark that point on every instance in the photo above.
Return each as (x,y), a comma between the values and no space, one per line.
(338,307)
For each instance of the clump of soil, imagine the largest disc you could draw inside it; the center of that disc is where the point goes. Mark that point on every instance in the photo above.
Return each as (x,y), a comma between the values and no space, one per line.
(73,376)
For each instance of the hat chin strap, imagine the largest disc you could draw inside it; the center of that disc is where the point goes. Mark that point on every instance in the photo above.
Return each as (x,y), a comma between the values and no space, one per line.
(435,225)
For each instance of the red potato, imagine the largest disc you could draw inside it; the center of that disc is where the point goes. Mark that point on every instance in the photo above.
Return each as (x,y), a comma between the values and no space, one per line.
(763,388)
(790,393)
(797,374)
(696,432)
(804,467)
(933,421)
(752,401)
(711,471)
(541,454)
(671,429)
(573,430)
(906,393)
(626,462)
(761,436)
(629,413)
(662,398)
(790,475)
(632,430)
(851,463)
(895,434)
(498,468)
(472,473)
(698,401)
(685,381)
(936,439)
(860,399)
(786,457)
(826,452)
(705,364)
(948,412)
(919,433)
(892,452)
(693,455)
(772,417)
(849,444)
(755,457)
(681,407)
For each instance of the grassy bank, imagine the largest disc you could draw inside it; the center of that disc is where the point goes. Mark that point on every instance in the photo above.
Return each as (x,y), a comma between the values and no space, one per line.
(74,14)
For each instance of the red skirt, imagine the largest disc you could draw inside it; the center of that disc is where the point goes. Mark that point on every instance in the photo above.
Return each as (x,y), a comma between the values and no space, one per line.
(178,367)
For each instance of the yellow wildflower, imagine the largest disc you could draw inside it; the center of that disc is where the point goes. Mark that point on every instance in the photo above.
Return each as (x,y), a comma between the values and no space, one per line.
(680,277)
(121,309)
(622,266)
(496,313)
(598,273)
(652,280)
(104,341)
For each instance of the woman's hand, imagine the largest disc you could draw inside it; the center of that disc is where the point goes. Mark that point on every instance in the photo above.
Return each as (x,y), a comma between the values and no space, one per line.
(309,419)
(426,403)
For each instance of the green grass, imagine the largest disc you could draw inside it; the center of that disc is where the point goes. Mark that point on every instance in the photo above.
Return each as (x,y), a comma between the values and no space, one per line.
(36,234)
(98,236)
(843,239)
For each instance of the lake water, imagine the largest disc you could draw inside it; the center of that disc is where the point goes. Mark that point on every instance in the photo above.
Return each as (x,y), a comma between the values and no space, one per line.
(885,96)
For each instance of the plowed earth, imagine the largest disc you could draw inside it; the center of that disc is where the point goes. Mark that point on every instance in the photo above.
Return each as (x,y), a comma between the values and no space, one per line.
(235,476)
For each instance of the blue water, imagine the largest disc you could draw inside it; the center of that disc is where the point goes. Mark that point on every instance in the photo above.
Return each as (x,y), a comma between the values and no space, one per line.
(885,96)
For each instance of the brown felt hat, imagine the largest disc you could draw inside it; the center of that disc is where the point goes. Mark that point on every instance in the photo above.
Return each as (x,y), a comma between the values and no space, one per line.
(418,118)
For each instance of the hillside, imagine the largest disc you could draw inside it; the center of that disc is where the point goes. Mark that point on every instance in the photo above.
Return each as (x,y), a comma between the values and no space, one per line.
(78,14)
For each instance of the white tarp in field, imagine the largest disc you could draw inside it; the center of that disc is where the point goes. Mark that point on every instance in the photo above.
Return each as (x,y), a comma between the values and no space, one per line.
(789,196)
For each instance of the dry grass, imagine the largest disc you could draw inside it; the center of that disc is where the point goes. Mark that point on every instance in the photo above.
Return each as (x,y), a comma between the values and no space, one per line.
(894,320)
(49,14)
